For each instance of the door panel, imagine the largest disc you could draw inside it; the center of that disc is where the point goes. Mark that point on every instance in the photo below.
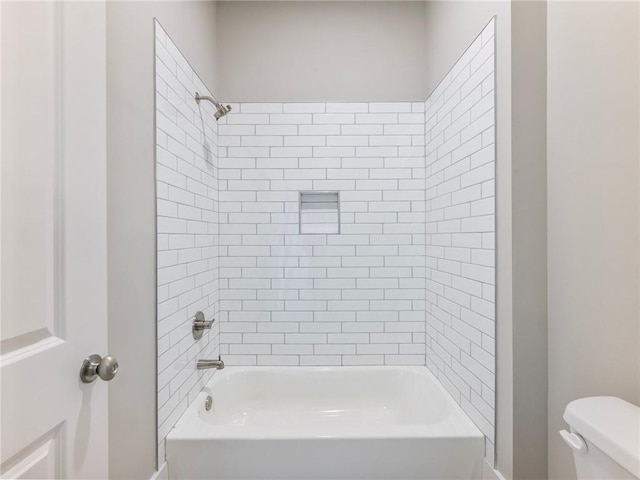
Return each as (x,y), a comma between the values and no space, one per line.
(41,459)
(30,36)
(53,231)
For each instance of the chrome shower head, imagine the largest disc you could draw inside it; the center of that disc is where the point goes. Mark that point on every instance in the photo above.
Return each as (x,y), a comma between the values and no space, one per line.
(221,110)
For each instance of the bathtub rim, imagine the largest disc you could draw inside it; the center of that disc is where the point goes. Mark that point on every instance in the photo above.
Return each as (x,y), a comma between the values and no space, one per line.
(458,424)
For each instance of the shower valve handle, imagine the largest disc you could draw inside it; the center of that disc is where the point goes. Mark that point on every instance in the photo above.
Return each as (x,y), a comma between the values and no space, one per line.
(199,325)
(202,325)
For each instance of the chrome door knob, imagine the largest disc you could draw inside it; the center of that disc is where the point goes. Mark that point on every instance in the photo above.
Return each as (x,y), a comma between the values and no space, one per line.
(95,366)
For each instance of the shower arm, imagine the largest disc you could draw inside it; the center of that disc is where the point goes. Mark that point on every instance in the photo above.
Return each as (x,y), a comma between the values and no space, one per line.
(209,99)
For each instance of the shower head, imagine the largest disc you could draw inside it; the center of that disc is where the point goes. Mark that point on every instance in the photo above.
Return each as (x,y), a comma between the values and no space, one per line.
(221,110)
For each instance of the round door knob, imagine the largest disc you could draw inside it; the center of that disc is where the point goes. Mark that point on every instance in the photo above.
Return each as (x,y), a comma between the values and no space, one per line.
(108,368)
(95,366)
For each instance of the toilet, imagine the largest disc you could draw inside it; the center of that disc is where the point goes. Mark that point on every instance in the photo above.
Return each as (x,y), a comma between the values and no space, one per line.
(605,438)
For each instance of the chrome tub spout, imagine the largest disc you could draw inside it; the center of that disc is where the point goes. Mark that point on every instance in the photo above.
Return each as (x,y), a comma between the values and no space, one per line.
(204,364)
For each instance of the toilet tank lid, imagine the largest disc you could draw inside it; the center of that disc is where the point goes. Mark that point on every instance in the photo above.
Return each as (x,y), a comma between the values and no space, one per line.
(612,425)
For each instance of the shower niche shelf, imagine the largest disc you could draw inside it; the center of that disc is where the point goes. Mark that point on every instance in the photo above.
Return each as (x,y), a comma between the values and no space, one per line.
(319,212)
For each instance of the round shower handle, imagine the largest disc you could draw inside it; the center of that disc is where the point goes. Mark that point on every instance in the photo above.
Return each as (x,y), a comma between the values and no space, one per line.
(95,366)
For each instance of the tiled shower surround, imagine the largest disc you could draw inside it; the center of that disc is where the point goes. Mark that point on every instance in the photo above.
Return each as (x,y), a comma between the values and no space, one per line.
(187,225)
(410,278)
(460,162)
(354,298)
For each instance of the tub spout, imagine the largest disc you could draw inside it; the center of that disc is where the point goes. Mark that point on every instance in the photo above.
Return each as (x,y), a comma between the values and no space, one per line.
(204,364)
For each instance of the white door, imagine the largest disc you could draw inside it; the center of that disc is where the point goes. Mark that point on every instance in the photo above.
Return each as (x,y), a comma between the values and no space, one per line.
(53,239)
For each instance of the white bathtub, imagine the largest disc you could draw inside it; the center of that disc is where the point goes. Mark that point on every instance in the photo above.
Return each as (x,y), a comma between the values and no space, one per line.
(325,423)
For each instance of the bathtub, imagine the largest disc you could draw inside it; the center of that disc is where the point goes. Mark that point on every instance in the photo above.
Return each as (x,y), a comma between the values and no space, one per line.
(325,423)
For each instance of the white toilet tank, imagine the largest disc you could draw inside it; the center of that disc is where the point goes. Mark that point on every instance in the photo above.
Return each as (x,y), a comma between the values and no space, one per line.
(605,438)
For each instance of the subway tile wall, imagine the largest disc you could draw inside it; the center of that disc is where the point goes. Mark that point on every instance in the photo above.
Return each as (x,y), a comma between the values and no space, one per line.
(460,221)
(417,202)
(354,298)
(187,226)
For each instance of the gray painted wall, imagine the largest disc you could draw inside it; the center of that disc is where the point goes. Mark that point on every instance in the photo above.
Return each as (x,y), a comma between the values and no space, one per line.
(131,212)
(529,237)
(325,51)
(593,209)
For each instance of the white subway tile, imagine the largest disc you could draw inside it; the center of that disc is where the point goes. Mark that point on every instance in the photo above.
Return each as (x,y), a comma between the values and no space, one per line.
(347,305)
(304,141)
(304,107)
(390,338)
(347,107)
(320,360)
(319,130)
(334,349)
(377,349)
(272,130)
(261,108)
(364,295)
(258,141)
(290,119)
(371,129)
(263,337)
(333,118)
(289,152)
(386,151)
(308,338)
(337,338)
(390,107)
(248,119)
(348,140)
(376,118)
